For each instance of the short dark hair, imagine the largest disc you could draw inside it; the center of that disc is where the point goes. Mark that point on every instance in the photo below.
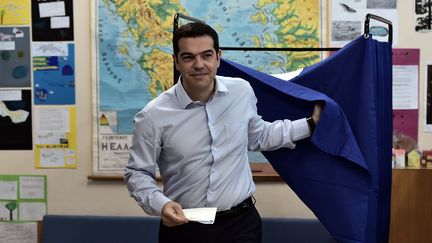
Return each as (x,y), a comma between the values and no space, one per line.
(194,29)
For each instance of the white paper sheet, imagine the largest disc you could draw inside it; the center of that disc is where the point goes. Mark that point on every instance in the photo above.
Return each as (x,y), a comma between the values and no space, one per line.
(51,9)
(52,120)
(8,190)
(32,187)
(49,137)
(52,157)
(7,45)
(31,210)
(201,215)
(405,87)
(18,232)
(48,49)
(10,95)
(288,76)
(60,22)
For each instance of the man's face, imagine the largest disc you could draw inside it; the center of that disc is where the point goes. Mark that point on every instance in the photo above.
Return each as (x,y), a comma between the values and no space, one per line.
(197,61)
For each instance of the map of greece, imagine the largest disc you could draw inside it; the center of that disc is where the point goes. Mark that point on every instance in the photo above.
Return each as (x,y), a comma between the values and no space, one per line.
(133,53)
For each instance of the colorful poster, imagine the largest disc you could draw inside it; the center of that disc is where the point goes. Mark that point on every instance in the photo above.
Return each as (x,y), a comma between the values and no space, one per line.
(405,93)
(54,73)
(15,120)
(52,20)
(55,137)
(14,12)
(15,57)
(133,62)
(23,197)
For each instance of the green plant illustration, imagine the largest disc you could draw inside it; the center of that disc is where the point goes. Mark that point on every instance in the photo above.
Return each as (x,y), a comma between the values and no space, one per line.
(11,206)
(2,14)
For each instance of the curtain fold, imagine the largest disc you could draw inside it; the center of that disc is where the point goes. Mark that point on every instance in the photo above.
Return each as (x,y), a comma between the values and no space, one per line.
(343,173)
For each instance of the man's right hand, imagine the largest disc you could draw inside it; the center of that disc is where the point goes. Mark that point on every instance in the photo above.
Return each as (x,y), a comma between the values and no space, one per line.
(172,214)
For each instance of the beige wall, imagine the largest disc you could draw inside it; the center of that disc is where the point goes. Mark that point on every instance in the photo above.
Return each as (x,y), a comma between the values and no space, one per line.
(70,192)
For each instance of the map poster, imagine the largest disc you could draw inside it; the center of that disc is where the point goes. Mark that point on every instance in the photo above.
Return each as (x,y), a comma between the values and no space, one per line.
(15,120)
(14,12)
(132,62)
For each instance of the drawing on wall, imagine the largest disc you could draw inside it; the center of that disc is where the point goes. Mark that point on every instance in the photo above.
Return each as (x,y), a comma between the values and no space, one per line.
(423,14)
(15,120)
(23,197)
(14,12)
(54,73)
(346,30)
(15,57)
(52,20)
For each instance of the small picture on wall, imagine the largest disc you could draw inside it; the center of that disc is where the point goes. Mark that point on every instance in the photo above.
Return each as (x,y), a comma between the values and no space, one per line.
(423,14)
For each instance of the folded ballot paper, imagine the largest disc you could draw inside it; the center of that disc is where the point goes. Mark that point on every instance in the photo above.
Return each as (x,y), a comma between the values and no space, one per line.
(201,215)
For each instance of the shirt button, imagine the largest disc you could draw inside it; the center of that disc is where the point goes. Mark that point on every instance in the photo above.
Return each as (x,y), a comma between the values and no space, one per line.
(214,148)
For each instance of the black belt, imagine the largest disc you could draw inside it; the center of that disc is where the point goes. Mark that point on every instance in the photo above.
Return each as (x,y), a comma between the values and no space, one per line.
(238,209)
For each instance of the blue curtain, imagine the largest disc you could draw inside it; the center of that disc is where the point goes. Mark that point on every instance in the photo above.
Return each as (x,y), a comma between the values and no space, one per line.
(343,173)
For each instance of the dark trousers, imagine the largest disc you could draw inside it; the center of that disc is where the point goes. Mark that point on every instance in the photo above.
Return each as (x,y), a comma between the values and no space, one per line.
(243,228)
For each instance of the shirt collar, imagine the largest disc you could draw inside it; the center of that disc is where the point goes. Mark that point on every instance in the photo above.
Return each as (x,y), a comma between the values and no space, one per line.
(185,101)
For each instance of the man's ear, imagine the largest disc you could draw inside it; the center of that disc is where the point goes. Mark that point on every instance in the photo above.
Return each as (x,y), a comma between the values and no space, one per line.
(219,54)
(175,61)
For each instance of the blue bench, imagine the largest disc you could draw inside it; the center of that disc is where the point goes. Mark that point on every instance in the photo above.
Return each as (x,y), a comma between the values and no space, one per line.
(118,229)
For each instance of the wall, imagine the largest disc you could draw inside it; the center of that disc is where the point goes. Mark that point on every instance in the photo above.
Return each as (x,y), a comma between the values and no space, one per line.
(70,192)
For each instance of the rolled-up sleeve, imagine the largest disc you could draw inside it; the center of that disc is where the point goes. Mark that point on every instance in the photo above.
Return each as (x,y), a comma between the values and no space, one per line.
(266,136)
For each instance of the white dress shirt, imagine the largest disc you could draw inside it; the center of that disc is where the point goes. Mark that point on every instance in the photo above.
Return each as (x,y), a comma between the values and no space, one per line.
(201,148)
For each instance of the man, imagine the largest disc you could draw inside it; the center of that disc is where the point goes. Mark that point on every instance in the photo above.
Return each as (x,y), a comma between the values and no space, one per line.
(198,132)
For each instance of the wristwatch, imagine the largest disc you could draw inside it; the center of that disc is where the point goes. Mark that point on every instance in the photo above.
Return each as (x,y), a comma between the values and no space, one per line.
(311,124)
